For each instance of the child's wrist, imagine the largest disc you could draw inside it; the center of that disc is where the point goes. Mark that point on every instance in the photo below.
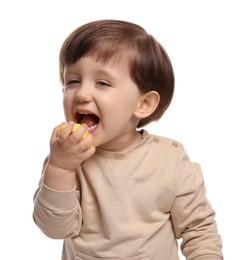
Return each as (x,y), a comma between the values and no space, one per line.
(59,178)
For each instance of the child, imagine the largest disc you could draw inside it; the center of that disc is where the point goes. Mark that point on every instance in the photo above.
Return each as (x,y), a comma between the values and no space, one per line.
(120,193)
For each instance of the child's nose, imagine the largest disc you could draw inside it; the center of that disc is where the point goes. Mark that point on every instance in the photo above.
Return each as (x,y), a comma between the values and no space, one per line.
(83,94)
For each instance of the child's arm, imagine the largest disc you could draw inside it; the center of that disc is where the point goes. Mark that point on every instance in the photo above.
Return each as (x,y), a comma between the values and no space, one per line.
(193,216)
(57,213)
(56,207)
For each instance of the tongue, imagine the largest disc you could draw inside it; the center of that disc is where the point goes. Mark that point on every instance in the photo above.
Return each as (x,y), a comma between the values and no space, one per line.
(89,120)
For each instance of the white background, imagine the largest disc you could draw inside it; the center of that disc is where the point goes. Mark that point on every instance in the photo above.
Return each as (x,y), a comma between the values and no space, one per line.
(208,43)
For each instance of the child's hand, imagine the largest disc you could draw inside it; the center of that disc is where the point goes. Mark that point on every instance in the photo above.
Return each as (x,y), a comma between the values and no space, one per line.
(75,127)
(70,146)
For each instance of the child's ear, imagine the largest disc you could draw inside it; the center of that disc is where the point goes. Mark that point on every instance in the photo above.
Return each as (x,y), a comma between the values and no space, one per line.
(147,104)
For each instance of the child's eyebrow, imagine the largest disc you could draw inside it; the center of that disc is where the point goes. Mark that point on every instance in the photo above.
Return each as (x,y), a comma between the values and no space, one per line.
(106,73)
(68,72)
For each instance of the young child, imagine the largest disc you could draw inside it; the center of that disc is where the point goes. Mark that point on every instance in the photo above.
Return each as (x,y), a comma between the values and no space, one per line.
(120,193)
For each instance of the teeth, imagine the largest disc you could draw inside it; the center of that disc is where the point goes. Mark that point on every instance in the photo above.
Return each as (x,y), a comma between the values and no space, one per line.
(92,127)
(84,113)
(81,119)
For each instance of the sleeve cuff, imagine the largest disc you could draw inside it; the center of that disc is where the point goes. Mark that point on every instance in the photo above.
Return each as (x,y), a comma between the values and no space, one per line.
(57,200)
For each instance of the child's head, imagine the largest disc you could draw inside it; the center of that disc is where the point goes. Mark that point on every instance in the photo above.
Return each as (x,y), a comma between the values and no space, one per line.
(150,66)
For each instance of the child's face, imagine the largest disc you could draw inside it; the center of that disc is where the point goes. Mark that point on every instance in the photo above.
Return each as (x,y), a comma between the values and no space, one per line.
(104,97)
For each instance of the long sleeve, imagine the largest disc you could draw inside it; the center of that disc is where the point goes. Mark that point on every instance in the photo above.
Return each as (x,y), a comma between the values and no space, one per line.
(193,216)
(57,213)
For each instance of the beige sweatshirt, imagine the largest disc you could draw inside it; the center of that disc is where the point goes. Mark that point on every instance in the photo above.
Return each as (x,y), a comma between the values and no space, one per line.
(132,206)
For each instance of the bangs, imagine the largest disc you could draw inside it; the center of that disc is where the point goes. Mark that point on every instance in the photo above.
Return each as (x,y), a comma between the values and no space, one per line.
(101,40)
(100,50)
(104,52)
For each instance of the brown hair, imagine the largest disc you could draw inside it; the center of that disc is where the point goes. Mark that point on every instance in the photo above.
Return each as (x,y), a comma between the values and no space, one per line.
(150,66)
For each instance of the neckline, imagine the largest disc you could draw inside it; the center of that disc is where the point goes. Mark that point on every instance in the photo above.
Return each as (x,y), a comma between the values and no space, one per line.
(122,155)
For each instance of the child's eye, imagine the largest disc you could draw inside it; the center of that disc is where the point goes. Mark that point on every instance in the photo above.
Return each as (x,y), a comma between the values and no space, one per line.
(103,83)
(72,82)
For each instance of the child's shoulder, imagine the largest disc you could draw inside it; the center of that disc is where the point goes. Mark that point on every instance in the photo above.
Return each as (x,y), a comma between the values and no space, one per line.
(165,142)
(171,143)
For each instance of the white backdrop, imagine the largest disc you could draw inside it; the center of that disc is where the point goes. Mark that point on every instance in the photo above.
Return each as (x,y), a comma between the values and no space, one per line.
(208,43)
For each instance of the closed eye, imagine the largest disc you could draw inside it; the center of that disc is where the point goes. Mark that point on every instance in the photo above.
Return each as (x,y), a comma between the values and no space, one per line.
(103,83)
(72,82)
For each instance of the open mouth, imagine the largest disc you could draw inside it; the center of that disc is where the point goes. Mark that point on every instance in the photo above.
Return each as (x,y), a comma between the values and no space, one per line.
(89,119)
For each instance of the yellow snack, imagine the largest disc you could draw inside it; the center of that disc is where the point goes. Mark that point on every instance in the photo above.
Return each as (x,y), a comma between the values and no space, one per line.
(75,127)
